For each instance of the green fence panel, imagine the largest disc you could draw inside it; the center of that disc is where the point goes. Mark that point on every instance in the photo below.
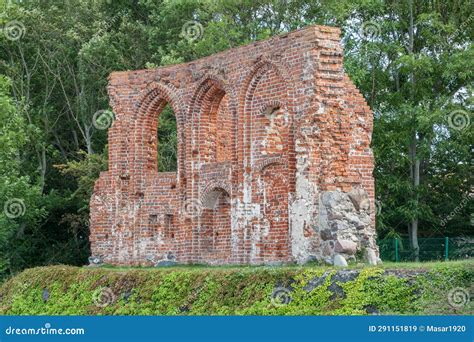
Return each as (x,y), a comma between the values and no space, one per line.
(430,249)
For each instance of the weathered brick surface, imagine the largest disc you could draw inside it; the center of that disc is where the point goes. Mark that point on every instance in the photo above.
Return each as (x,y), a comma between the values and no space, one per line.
(274,163)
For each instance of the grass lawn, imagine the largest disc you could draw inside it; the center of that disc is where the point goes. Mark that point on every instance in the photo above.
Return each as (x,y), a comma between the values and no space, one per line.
(428,265)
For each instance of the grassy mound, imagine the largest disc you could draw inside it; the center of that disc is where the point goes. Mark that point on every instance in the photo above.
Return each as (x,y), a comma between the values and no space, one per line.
(65,290)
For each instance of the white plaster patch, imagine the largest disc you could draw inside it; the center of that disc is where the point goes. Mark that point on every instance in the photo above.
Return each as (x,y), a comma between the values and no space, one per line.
(302,212)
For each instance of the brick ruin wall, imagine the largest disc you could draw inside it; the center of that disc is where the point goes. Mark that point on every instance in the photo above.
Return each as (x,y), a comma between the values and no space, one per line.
(274,160)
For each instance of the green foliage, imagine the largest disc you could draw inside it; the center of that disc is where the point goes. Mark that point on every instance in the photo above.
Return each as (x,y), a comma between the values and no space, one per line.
(230,291)
(414,83)
(167,140)
(85,171)
(19,196)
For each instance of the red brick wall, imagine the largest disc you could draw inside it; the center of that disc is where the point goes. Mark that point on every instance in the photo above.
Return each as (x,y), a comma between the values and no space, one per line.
(263,131)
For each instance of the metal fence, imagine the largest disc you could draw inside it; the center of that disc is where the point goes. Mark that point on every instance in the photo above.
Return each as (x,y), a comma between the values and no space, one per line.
(430,249)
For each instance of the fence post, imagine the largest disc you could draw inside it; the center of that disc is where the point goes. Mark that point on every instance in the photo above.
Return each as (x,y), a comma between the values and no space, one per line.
(397,259)
(446,248)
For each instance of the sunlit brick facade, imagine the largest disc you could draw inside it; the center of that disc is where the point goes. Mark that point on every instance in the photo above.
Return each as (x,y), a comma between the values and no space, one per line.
(274,160)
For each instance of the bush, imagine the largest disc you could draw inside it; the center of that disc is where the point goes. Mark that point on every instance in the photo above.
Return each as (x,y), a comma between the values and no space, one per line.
(66,290)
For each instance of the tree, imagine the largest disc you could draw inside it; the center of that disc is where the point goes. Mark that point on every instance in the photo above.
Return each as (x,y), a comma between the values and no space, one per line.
(415,68)
(19,196)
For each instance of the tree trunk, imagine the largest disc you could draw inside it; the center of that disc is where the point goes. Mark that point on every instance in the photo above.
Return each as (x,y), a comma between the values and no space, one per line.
(88,138)
(42,166)
(414,161)
(414,222)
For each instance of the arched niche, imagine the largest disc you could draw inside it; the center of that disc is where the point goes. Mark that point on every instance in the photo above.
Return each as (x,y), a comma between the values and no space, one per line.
(212,120)
(215,226)
(265,119)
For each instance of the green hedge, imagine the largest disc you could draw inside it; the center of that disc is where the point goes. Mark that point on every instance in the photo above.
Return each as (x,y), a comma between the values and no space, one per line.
(65,290)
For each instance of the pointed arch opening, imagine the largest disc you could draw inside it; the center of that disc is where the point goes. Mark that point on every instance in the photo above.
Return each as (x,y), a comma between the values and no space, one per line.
(158,134)
(167,135)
